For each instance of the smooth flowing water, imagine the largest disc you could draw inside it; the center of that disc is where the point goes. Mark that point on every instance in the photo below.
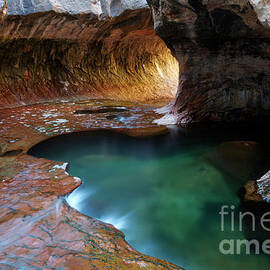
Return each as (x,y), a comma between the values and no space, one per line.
(165,193)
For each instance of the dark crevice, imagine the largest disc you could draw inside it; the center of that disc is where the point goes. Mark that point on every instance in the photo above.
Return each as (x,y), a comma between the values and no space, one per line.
(102,110)
(12,153)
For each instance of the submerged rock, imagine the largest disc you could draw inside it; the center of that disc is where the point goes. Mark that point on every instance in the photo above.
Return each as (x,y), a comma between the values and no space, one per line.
(241,159)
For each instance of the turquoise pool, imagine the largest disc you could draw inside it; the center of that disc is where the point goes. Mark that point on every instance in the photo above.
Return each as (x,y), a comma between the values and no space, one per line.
(164,192)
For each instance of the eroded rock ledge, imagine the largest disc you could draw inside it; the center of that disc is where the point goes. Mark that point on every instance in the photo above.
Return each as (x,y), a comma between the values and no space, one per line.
(223,51)
(37,228)
(54,56)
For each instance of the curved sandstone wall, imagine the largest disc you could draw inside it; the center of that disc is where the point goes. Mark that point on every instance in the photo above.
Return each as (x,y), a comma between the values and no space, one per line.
(60,56)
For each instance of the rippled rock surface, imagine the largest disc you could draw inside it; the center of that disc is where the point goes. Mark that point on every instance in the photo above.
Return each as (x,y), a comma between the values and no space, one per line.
(37,228)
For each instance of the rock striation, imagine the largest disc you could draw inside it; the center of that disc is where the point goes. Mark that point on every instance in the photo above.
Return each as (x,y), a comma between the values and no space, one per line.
(65,55)
(223,51)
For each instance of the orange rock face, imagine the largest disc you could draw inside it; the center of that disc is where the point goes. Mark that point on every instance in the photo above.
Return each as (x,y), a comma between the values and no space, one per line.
(37,227)
(51,56)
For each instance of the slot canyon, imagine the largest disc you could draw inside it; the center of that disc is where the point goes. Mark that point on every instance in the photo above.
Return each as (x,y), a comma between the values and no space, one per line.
(59,56)
(126,125)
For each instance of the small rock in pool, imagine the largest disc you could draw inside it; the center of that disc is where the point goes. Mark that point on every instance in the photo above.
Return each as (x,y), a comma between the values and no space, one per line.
(101,110)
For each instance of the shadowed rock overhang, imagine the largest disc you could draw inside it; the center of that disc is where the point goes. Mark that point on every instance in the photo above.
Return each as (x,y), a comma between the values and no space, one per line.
(223,51)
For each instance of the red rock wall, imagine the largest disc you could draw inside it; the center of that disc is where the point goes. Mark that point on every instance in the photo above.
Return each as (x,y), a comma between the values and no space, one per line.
(50,56)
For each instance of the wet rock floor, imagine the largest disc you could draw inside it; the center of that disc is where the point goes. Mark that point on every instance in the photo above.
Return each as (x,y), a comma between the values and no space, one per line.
(38,230)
